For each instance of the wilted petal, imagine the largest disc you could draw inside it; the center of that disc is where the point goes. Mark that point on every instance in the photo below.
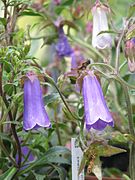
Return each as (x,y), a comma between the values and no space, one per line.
(34,111)
(97,114)
(100,23)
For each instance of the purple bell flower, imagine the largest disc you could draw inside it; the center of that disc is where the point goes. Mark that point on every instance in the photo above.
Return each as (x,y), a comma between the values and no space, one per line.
(34,112)
(97,115)
(63,47)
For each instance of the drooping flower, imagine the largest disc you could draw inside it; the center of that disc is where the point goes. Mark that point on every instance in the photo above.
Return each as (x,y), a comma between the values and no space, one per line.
(100,23)
(63,47)
(130,54)
(97,115)
(34,112)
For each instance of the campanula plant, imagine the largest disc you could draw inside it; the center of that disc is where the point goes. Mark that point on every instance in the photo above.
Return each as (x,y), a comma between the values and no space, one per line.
(66,70)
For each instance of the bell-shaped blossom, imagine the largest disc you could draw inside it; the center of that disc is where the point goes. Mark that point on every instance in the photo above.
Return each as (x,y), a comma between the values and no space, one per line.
(63,47)
(100,23)
(130,54)
(97,115)
(34,112)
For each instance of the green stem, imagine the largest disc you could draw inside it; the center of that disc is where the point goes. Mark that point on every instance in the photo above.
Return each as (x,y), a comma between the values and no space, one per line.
(129,110)
(112,75)
(57,126)
(53,83)
(118,49)
(132,132)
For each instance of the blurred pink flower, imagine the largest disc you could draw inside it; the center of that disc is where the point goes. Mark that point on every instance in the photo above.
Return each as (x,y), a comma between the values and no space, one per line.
(89,27)
(57,2)
(130,54)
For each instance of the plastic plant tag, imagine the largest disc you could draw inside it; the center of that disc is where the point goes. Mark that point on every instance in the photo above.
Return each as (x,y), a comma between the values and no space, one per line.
(77,155)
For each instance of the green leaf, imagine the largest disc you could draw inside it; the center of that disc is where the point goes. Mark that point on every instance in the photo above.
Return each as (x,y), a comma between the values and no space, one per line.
(9,88)
(7,66)
(61,172)
(57,154)
(49,39)
(30,12)
(51,98)
(108,150)
(5,137)
(39,176)
(3,21)
(82,164)
(110,32)
(97,170)
(8,174)
(131,11)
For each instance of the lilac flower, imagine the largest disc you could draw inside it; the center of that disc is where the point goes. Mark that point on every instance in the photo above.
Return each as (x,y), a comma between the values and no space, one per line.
(63,47)
(97,115)
(100,23)
(34,111)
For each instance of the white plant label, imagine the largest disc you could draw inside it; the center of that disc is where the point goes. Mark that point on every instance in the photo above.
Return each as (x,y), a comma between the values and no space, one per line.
(77,155)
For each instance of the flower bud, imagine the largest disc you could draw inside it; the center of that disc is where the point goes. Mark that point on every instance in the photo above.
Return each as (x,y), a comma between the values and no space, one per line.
(130,54)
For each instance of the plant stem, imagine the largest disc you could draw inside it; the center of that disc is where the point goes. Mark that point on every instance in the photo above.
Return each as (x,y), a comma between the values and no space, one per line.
(118,49)
(132,132)
(57,126)
(1,92)
(14,133)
